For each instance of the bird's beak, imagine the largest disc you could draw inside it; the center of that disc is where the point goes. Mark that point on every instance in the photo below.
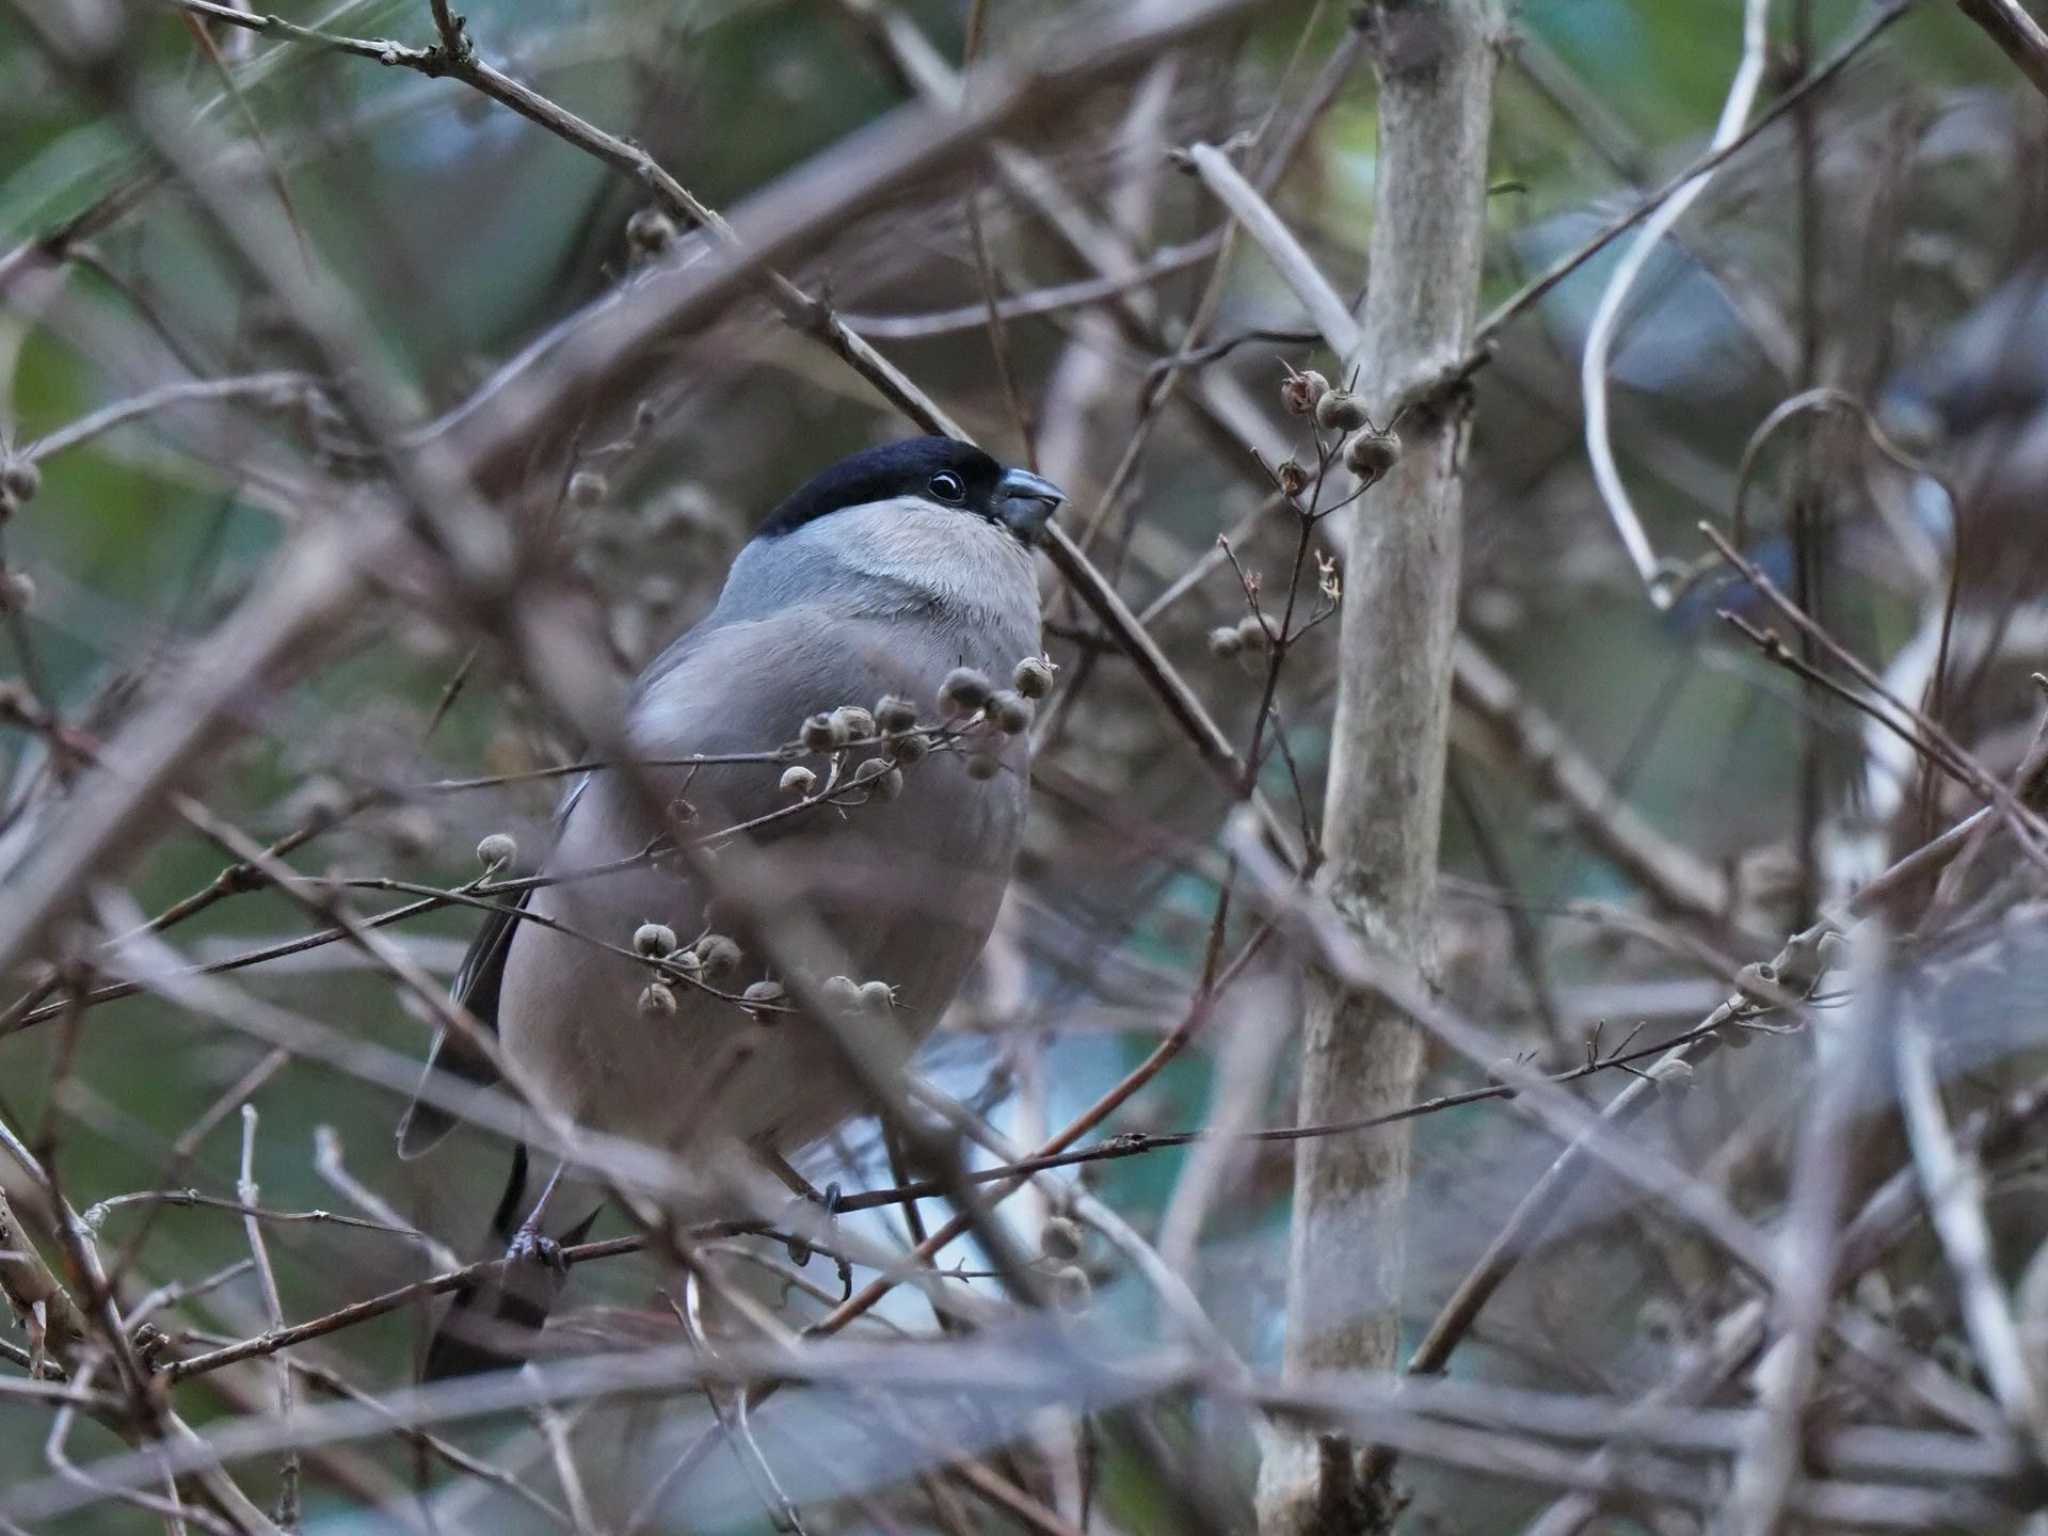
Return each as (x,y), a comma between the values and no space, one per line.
(1025,504)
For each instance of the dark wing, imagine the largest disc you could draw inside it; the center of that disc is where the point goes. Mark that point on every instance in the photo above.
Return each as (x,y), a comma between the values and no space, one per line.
(476,987)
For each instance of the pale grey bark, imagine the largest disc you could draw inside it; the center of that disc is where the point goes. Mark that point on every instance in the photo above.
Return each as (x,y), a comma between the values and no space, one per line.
(1436,65)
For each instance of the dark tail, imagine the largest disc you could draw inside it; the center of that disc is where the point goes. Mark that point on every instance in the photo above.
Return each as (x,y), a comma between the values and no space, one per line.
(493,1323)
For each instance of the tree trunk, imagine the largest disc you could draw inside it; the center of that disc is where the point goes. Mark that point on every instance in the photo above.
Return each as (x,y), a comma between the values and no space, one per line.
(1382,807)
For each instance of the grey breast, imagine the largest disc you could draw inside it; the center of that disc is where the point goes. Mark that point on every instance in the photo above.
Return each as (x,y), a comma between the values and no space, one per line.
(906,890)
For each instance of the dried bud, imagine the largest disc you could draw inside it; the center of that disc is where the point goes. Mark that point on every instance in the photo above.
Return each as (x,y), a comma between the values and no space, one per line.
(895,713)
(1293,478)
(1299,392)
(1012,716)
(877,996)
(719,955)
(1060,1239)
(1072,1290)
(763,992)
(1225,642)
(798,780)
(657,1001)
(588,488)
(654,939)
(858,724)
(496,851)
(823,733)
(1032,677)
(983,765)
(1371,454)
(650,231)
(964,691)
(841,992)
(21,479)
(17,592)
(907,749)
(1341,411)
(1251,631)
(1675,1074)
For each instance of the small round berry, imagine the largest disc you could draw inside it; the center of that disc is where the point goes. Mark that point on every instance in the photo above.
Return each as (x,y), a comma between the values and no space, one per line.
(798,780)
(1060,1239)
(1225,642)
(964,691)
(907,749)
(588,488)
(877,996)
(1293,478)
(822,733)
(719,955)
(657,1001)
(496,851)
(895,713)
(858,724)
(1251,630)
(841,992)
(685,960)
(983,766)
(1012,716)
(654,940)
(1340,411)
(1032,677)
(763,992)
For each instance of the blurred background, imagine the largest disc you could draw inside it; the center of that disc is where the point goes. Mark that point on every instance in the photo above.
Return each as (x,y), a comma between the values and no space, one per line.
(1882,241)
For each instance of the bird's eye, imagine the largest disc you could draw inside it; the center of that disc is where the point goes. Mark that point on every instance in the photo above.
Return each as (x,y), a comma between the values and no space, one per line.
(947,486)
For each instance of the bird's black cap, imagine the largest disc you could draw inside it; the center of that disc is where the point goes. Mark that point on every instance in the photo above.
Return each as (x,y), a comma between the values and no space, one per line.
(936,469)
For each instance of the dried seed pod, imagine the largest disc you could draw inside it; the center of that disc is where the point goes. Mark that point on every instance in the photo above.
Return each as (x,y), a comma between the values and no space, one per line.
(496,851)
(657,1001)
(1225,642)
(1371,454)
(823,733)
(889,786)
(1251,632)
(650,231)
(910,748)
(858,724)
(964,691)
(1293,478)
(893,712)
(1299,392)
(654,940)
(877,996)
(798,780)
(1010,714)
(719,956)
(21,479)
(588,488)
(1341,411)
(1032,677)
(763,992)
(1060,1239)
(1072,1290)
(686,960)
(870,769)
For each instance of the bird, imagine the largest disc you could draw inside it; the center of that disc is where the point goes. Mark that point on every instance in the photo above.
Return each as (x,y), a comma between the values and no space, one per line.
(884,600)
